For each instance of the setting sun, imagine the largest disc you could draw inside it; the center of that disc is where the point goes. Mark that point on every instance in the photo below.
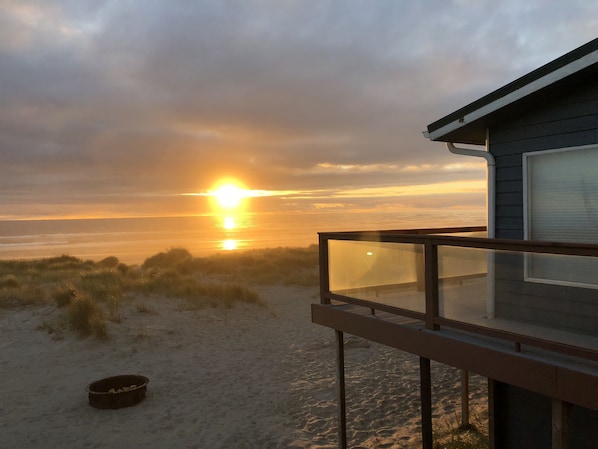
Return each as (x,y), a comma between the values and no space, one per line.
(229,195)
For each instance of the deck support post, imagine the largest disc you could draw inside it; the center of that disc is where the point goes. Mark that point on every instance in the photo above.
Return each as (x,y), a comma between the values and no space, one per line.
(492,414)
(340,387)
(464,399)
(560,420)
(426,402)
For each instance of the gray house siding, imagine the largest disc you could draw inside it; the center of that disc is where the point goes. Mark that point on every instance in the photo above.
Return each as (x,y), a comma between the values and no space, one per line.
(566,122)
(555,306)
(553,107)
(522,418)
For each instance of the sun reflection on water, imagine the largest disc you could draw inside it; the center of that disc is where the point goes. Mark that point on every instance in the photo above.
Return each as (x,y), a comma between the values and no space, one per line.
(229,223)
(232,227)
(230,205)
(229,244)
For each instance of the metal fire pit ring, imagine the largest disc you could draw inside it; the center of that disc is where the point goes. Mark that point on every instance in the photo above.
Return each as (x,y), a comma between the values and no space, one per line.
(117,391)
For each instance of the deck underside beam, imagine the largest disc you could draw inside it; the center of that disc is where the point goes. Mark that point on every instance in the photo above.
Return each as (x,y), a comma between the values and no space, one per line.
(493,360)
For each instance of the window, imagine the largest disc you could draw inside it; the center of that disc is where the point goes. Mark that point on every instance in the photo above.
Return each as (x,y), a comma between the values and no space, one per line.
(561,204)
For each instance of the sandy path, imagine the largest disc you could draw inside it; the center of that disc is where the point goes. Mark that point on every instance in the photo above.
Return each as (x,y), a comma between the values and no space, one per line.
(246,377)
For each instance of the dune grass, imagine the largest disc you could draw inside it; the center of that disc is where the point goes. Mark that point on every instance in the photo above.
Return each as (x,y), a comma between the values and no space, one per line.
(87,317)
(91,293)
(288,266)
(448,434)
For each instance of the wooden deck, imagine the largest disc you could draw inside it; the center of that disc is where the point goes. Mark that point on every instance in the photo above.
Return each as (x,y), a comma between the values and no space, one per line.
(457,322)
(556,375)
(465,302)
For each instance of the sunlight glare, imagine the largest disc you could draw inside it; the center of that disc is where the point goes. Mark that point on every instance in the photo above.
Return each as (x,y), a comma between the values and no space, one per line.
(229,196)
(229,223)
(229,245)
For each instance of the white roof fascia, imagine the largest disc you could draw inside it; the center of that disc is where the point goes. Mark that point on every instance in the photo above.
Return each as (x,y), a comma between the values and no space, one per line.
(511,97)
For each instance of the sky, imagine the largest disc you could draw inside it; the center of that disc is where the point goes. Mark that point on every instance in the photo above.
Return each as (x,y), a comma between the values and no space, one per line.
(139,107)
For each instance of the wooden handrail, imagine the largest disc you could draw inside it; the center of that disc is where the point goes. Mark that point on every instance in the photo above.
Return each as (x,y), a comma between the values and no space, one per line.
(532,246)
(431,240)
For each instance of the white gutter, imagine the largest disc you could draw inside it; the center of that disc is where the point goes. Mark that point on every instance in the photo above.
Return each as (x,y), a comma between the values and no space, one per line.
(491,179)
(491,206)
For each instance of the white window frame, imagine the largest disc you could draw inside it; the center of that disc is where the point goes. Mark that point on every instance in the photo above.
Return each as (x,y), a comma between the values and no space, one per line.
(527,217)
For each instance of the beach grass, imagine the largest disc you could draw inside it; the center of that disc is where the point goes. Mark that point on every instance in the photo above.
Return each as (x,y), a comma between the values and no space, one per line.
(91,293)
(285,265)
(87,317)
(450,434)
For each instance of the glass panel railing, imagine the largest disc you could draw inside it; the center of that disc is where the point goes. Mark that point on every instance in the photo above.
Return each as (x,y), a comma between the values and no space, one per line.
(509,299)
(385,273)
(463,284)
(557,269)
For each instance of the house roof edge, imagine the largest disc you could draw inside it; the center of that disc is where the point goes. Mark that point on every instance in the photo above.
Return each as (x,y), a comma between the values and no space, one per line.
(544,76)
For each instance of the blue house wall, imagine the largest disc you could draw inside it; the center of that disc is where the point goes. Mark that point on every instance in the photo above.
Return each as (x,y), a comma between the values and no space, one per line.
(567,121)
(523,419)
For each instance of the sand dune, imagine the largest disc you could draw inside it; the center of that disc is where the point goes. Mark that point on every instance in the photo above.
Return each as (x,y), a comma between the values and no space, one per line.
(246,377)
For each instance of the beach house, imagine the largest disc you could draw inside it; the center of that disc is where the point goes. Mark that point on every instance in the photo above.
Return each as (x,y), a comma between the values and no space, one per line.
(516,302)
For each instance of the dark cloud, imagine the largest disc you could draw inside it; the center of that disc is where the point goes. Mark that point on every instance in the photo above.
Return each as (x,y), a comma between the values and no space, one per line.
(106,101)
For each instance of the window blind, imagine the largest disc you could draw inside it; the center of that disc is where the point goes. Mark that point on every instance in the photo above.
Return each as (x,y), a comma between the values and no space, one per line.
(563,195)
(562,206)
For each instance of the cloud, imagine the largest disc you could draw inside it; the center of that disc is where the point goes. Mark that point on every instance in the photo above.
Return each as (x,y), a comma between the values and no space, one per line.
(118,99)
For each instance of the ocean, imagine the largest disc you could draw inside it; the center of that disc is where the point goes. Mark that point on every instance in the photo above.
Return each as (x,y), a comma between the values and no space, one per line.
(133,240)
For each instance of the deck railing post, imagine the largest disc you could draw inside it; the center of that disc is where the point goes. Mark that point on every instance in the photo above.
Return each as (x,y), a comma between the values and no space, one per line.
(431,262)
(420,269)
(324,270)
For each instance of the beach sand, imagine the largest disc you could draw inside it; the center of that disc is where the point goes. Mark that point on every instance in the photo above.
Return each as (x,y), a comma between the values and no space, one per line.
(244,377)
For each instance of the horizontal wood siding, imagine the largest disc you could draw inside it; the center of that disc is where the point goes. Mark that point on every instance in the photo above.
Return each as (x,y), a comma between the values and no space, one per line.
(565,122)
(523,420)
(555,306)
